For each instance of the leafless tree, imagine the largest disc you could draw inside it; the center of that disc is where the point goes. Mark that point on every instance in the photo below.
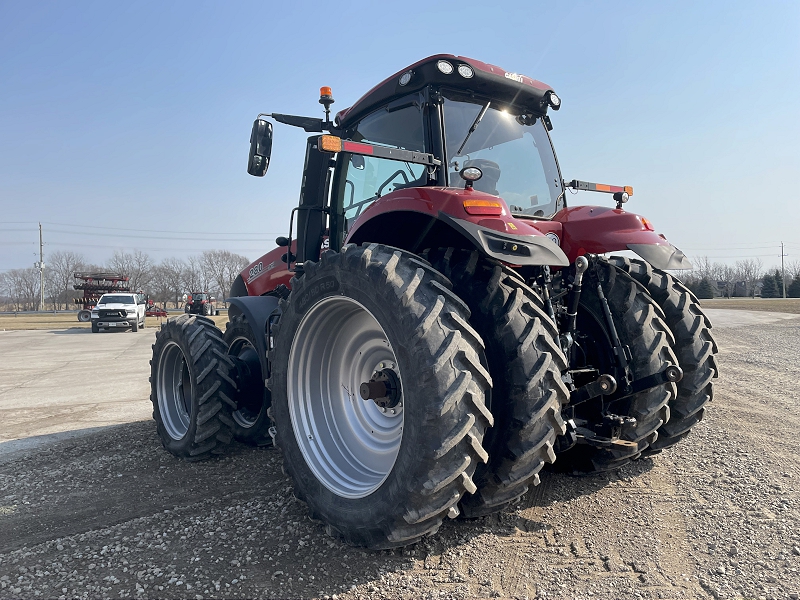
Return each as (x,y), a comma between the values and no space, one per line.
(222,267)
(750,271)
(60,269)
(137,265)
(167,283)
(728,276)
(195,278)
(22,288)
(792,268)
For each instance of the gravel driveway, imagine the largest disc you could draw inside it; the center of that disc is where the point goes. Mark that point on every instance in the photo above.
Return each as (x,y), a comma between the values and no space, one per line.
(112,514)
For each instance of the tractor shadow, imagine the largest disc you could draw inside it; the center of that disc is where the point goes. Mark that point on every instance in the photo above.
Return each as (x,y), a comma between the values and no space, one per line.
(236,514)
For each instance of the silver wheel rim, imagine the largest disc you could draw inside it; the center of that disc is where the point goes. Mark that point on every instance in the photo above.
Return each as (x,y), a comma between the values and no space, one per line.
(349,443)
(174,390)
(244,417)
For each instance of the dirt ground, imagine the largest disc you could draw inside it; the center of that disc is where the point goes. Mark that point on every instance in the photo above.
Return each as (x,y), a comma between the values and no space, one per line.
(111,514)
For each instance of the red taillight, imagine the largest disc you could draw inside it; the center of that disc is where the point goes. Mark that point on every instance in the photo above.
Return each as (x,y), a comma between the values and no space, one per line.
(483,207)
(357,148)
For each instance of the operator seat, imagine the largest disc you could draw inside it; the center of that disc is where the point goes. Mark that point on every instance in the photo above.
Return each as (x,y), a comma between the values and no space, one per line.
(491,175)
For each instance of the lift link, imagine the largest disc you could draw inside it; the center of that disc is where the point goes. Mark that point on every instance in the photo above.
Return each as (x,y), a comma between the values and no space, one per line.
(622,353)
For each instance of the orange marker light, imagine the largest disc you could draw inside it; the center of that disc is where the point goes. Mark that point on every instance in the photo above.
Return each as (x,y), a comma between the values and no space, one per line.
(330,143)
(628,190)
(483,207)
(648,226)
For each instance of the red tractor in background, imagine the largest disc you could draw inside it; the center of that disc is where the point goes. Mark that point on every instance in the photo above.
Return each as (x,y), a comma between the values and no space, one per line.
(200,303)
(439,324)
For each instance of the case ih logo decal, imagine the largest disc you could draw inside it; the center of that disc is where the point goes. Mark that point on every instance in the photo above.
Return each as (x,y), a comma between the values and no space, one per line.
(514,76)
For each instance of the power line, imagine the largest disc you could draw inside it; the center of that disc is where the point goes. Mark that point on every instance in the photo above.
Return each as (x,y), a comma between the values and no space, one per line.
(140,230)
(159,237)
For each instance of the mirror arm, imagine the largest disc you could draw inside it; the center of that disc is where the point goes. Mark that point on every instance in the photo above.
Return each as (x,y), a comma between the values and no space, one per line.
(309,124)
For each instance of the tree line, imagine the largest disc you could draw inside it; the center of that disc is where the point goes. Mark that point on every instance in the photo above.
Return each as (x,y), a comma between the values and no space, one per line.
(215,270)
(745,278)
(165,282)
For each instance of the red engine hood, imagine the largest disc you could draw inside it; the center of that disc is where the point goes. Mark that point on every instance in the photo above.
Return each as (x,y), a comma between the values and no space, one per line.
(600,229)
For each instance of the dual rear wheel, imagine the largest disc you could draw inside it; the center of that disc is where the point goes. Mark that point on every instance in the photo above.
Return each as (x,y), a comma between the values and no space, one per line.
(385,384)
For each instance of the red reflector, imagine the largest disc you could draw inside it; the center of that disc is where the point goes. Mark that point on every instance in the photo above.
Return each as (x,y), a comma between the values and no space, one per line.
(357,148)
(483,207)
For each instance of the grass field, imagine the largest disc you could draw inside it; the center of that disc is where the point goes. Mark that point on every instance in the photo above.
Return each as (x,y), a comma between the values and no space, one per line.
(70,321)
(784,305)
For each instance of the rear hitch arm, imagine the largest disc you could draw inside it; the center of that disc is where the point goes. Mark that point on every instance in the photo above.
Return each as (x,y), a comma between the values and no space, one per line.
(669,374)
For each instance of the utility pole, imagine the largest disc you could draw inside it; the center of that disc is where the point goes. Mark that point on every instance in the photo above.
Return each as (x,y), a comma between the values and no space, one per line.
(783,272)
(40,265)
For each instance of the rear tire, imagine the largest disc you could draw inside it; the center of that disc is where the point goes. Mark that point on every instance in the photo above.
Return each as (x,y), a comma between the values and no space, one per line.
(640,325)
(525,362)
(378,479)
(694,346)
(191,388)
(250,421)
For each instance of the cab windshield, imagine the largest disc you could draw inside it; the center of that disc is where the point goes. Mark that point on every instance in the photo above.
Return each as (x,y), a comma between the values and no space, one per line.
(116,300)
(512,150)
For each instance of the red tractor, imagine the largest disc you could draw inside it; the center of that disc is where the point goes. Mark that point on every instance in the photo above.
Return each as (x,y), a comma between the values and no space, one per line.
(439,325)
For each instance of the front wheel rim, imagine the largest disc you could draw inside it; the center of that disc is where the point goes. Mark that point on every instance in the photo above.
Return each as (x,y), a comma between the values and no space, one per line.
(349,443)
(175,391)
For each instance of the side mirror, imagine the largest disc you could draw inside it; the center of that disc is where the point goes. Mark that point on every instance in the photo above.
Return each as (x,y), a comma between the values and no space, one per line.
(260,148)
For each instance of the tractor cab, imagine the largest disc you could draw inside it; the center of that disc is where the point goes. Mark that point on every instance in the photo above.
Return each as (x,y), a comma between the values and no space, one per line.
(392,168)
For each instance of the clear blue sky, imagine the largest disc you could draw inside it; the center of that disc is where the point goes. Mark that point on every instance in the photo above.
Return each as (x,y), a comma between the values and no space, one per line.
(137,115)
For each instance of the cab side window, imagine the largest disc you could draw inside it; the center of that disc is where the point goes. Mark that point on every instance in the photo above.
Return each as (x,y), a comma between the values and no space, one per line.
(397,125)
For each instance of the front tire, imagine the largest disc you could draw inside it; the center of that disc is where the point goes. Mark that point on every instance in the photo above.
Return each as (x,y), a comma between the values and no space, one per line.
(694,346)
(250,420)
(95,328)
(191,389)
(379,478)
(84,316)
(525,362)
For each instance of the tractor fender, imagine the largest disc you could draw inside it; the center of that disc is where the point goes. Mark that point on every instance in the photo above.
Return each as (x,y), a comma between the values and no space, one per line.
(257,310)
(521,250)
(418,218)
(662,256)
(600,229)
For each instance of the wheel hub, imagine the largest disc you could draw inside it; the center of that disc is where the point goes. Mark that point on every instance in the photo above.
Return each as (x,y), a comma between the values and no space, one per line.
(383,388)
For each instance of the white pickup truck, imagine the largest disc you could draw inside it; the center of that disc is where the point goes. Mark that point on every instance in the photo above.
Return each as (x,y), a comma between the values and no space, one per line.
(119,311)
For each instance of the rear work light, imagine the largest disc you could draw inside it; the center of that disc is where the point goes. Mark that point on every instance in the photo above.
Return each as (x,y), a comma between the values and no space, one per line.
(483,207)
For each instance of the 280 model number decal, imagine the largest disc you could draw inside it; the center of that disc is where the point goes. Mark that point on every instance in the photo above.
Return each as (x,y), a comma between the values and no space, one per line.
(255,271)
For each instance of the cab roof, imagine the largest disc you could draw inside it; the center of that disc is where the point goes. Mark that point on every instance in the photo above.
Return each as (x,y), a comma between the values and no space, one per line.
(487,80)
